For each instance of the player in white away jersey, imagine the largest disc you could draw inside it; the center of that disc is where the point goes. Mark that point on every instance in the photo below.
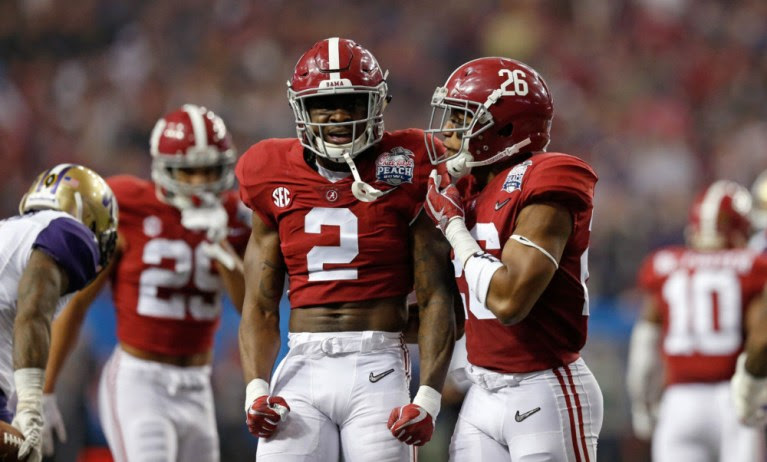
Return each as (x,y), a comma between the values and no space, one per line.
(64,235)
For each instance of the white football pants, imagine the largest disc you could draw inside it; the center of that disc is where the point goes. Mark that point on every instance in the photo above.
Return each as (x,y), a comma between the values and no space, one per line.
(341,388)
(697,421)
(553,415)
(154,412)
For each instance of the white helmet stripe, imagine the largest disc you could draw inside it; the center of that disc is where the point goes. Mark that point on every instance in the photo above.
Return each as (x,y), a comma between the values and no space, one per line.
(333,58)
(154,139)
(198,125)
(710,207)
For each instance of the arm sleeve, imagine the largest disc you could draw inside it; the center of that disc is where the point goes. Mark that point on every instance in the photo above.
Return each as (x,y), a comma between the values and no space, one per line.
(564,180)
(73,247)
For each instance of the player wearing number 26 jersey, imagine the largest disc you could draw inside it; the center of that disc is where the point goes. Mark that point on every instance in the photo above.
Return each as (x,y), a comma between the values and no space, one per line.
(684,349)
(179,239)
(338,211)
(520,243)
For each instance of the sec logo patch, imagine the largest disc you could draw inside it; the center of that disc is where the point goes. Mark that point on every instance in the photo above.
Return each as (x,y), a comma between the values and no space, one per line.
(281,197)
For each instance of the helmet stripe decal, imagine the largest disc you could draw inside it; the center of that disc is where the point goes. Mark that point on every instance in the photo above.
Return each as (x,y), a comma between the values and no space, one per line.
(709,208)
(154,139)
(333,58)
(198,125)
(64,169)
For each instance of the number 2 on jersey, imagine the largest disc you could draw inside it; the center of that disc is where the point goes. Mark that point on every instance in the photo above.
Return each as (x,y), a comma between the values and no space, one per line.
(344,252)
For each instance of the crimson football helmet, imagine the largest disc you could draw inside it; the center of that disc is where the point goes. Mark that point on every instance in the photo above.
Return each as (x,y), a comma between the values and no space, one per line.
(503,106)
(719,217)
(191,137)
(338,66)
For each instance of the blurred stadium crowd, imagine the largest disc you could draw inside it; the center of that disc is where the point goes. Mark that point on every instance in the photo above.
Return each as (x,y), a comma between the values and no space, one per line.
(660,96)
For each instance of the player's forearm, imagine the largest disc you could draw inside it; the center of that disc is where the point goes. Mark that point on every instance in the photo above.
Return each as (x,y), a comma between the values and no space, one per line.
(436,338)
(65,331)
(259,337)
(234,284)
(39,290)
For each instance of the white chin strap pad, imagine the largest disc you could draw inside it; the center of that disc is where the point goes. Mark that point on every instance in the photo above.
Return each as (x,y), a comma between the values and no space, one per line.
(457,166)
(361,190)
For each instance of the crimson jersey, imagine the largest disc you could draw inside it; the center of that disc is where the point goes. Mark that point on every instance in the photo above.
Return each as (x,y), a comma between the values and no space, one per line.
(703,298)
(337,248)
(165,288)
(555,330)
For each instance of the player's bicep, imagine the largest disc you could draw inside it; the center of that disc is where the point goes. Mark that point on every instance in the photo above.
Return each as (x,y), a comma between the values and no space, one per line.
(529,267)
(41,284)
(264,267)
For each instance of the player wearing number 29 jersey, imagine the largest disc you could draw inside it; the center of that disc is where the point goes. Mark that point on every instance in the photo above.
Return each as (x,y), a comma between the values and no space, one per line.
(179,239)
(684,349)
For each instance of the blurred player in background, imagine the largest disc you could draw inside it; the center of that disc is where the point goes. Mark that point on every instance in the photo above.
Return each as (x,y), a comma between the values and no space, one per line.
(758,240)
(176,251)
(521,245)
(683,350)
(65,233)
(338,211)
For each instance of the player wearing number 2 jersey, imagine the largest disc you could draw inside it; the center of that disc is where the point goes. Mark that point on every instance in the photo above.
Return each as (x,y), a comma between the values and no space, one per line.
(520,245)
(337,210)
(179,236)
(693,323)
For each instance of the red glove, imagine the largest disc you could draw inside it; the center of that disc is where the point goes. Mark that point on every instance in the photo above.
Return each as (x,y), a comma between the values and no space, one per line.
(411,424)
(443,205)
(265,414)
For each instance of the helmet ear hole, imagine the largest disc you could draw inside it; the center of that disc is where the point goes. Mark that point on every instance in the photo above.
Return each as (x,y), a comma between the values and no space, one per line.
(506,130)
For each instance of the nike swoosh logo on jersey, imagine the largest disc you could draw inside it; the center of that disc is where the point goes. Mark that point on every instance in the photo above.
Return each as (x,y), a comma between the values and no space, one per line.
(520,417)
(500,204)
(376,377)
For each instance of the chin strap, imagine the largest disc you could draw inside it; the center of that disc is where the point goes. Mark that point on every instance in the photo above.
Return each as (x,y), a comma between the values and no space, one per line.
(361,190)
(460,165)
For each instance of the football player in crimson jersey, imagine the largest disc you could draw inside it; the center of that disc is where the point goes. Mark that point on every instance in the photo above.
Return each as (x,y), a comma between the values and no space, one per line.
(697,305)
(178,245)
(338,211)
(64,235)
(520,242)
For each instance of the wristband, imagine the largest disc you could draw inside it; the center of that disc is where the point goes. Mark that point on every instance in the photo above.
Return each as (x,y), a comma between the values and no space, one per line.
(479,270)
(255,389)
(429,399)
(461,240)
(29,387)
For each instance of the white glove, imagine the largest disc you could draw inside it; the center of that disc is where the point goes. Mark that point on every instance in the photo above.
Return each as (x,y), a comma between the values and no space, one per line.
(643,419)
(29,412)
(54,424)
(749,394)
(210,218)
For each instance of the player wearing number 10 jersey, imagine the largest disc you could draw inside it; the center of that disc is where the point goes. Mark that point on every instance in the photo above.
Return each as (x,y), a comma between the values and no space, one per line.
(693,323)
(179,236)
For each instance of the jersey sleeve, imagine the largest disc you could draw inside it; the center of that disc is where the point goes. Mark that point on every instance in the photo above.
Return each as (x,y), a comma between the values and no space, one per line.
(251,172)
(73,247)
(561,179)
(240,219)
